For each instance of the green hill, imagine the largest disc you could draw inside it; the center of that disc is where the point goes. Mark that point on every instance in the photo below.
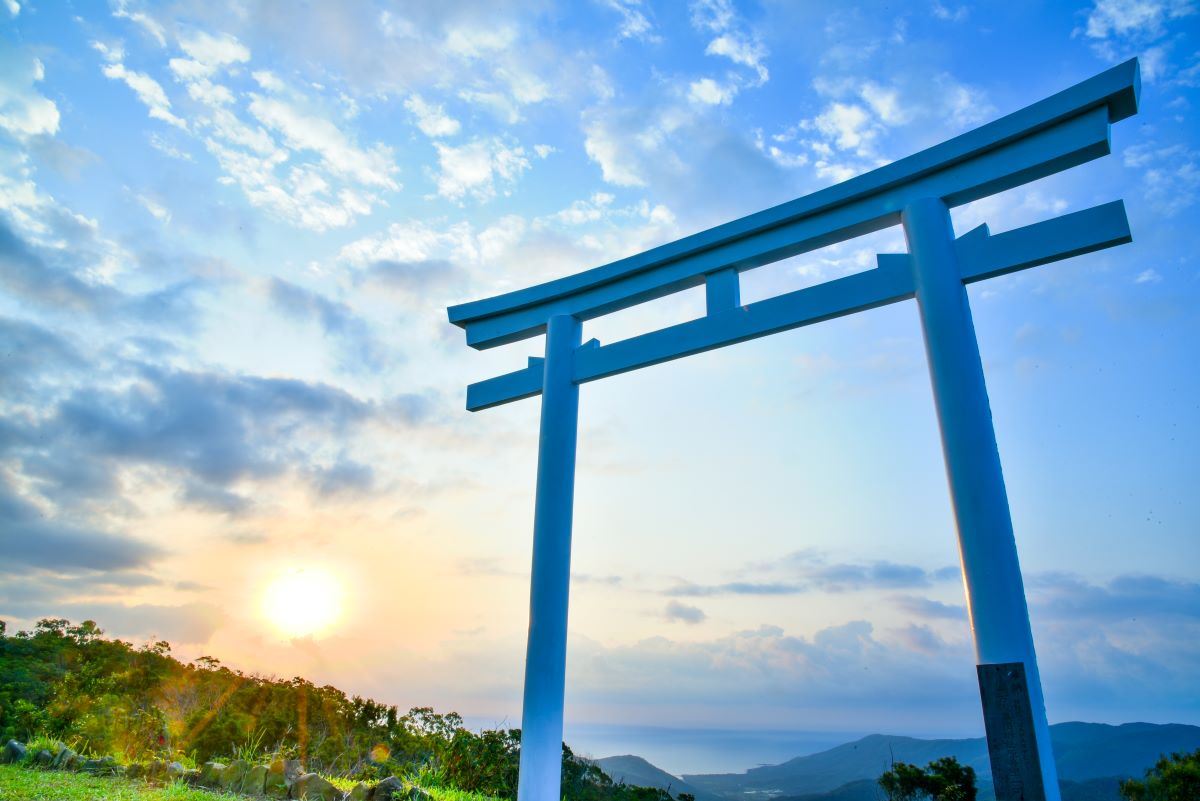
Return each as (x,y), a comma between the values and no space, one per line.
(1091,758)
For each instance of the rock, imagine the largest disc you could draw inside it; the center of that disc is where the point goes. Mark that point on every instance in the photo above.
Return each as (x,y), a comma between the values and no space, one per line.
(135,771)
(154,770)
(75,762)
(389,788)
(280,775)
(311,787)
(102,767)
(43,758)
(255,780)
(64,758)
(191,777)
(392,789)
(361,792)
(174,770)
(13,752)
(210,774)
(234,774)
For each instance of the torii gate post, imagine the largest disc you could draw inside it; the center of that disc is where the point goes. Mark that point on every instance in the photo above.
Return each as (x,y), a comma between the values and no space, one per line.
(550,579)
(1060,132)
(987,548)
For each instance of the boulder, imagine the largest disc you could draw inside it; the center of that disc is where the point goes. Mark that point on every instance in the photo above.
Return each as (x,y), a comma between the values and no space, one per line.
(311,787)
(13,752)
(155,770)
(63,758)
(102,767)
(135,770)
(234,774)
(389,788)
(191,777)
(210,775)
(43,758)
(280,775)
(174,770)
(392,789)
(255,780)
(361,792)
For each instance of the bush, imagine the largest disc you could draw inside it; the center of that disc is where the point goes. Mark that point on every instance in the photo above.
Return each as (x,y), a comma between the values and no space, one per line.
(1173,778)
(941,780)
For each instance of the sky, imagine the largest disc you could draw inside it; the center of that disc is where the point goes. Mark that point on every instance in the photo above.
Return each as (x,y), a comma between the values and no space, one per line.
(229,393)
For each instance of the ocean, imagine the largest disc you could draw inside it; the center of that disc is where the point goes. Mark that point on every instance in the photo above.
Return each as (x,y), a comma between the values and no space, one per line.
(694,750)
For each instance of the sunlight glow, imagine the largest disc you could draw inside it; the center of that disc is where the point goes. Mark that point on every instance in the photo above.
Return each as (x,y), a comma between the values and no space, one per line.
(303,603)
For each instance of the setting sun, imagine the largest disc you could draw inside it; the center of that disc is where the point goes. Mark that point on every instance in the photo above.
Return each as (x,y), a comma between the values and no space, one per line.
(302,603)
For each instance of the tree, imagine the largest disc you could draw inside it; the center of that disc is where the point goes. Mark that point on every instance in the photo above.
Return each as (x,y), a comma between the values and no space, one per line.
(941,780)
(1173,778)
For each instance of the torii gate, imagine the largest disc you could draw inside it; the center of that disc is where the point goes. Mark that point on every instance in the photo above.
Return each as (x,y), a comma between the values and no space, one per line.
(1062,131)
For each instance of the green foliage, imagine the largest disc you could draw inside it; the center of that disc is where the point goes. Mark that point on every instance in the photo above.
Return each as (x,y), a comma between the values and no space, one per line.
(1173,778)
(941,780)
(107,697)
(20,784)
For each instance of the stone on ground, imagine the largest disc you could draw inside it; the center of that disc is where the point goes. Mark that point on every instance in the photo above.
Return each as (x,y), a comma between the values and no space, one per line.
(311,787)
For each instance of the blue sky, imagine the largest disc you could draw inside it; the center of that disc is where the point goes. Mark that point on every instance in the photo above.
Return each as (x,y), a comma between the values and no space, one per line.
(228,235)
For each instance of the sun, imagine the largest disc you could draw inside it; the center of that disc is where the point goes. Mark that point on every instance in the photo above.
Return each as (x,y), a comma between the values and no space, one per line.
(303,603)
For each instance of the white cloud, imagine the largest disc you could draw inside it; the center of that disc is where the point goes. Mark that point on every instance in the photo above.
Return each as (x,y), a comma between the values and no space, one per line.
(1170,176)
(1134,17)
(1150,276)
(432,120)
(885,103)
(1123,28)
(847,125)
(741,50)
(476,167)
(474,42)
(209,54)
(947,14)
(634,24)
(712,15)
(708,92)
(13,7)
(144,20)
(148,90)
(23,111)
(156,209)
(603,144)
(301,131)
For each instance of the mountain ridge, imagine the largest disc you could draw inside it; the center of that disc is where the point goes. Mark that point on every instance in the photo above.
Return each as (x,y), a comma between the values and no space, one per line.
(1091,758)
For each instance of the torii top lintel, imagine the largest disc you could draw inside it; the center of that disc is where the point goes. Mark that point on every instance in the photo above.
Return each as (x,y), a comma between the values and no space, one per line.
(1054,134)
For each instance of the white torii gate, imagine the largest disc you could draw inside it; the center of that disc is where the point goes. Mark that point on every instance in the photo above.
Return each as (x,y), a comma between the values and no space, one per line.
(1060,132)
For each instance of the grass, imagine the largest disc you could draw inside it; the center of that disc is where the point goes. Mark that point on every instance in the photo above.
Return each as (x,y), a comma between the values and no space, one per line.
(23,784)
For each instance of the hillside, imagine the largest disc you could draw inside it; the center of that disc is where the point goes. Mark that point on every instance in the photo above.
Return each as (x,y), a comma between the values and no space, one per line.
(637,771)
(1090,758)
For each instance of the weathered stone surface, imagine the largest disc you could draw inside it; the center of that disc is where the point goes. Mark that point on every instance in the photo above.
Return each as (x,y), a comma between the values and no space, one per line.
(311,787)
(135,770)
(210,774)
(361,792)
(63,758)
(73,762)
(102,767)
(43,758)
(254,780)
(13,752)
(389,788)
(280,775)
(174,770)
(191,776)
(234,774)
(154,770)
(392,789)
